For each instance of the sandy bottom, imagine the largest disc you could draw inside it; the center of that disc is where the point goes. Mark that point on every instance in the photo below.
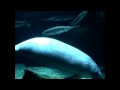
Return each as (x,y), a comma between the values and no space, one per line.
(43,72)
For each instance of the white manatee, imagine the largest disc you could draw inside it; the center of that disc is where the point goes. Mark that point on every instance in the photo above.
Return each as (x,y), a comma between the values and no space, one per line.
(56,54)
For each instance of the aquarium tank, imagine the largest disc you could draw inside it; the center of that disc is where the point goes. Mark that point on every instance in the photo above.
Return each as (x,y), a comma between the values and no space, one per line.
(59,44)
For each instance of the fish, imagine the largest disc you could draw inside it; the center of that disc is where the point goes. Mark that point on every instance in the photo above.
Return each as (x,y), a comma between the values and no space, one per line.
(59,18)
(58,30)
(79,18)
(22,23)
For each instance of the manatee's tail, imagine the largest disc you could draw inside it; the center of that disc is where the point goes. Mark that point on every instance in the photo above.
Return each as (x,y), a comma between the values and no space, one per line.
(101,76)
(102,73)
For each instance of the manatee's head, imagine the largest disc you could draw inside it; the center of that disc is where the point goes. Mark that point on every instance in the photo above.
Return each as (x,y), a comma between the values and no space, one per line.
(17,48)
(22,46)
(32,47)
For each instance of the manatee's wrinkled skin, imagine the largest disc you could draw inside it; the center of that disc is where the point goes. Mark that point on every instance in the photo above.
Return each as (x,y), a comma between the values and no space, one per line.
(57,54)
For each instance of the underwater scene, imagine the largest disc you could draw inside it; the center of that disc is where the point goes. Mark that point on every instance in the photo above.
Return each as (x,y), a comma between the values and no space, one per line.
(60,45)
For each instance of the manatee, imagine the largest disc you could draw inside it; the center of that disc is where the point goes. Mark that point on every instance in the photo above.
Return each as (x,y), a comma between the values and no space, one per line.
(57,54)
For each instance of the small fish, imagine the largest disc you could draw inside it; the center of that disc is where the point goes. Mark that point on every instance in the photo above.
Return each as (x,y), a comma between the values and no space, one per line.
(59,18)
(79,18)
(22,23)
(58,30)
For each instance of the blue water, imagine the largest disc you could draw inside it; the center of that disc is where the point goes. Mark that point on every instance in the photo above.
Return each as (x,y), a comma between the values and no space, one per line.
(91,41)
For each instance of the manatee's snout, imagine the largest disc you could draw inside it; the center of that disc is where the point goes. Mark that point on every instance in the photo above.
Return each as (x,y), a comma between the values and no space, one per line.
(17,48)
